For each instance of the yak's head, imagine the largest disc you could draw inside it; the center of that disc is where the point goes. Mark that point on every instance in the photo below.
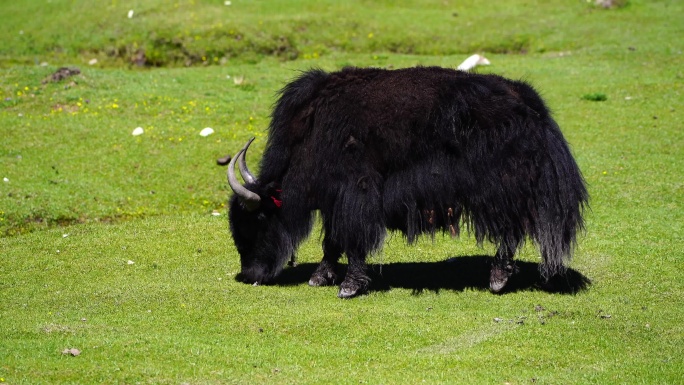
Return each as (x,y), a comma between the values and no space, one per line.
(255,222)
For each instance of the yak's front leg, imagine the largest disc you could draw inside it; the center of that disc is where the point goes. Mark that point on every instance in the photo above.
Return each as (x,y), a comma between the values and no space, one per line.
(365,235)
(359,228)
(502,268)
(325,274)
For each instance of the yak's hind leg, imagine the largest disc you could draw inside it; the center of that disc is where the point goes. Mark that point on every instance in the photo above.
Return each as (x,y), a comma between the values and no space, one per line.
(356,282)
(325,274)
(503,267)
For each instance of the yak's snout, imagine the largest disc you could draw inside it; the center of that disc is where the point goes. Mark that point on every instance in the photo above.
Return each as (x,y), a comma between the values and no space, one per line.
(258,273)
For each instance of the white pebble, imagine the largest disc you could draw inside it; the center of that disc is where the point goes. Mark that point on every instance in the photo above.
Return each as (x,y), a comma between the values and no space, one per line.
(5,180)
(92,62)
(130,262)
(206,131)
(138,131)
(130,14)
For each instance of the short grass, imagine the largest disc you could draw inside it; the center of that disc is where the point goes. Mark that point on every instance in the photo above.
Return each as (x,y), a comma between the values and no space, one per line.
(82,197)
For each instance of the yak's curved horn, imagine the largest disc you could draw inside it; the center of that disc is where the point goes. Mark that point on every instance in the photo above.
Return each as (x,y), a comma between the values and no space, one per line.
(250,199)
(242,163)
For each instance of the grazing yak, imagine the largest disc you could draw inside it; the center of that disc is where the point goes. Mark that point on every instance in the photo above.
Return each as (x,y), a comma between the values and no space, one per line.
(415,150)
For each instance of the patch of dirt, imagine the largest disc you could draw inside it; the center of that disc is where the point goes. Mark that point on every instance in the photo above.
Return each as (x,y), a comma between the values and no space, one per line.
(610,4)
(61,74)
(71,352)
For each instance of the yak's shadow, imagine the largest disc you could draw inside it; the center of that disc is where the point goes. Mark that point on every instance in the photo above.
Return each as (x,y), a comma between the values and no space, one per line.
(459,273)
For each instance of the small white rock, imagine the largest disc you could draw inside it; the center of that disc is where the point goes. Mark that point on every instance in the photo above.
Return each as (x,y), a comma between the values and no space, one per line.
(92,62)
(226,3)
(65,235)
(130,14)
(215,213)
(130,262)
(5,180)
(206,131)
(138,131)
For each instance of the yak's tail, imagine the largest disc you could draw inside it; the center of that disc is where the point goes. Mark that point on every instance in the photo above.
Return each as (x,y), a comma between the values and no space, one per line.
(563,197)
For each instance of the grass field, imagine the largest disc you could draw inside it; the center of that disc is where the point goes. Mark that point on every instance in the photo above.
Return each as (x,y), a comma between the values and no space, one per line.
(110,243)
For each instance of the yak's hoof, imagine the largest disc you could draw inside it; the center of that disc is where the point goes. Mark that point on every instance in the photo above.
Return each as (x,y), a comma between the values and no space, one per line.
(323,277)
(350,289)
(498,277)
(321,280)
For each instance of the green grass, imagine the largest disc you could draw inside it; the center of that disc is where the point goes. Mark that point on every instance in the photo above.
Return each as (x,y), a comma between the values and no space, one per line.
(83,197)
(203,32)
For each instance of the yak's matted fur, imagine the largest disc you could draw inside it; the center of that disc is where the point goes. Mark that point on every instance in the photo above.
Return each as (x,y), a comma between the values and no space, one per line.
(416,150)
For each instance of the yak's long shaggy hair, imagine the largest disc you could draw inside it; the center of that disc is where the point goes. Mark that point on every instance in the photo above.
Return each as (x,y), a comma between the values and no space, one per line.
(416,150)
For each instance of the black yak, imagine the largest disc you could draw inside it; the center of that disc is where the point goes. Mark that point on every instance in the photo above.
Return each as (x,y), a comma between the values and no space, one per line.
(415,150)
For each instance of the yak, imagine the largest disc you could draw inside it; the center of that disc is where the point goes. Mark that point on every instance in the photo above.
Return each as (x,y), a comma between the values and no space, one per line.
(416,150)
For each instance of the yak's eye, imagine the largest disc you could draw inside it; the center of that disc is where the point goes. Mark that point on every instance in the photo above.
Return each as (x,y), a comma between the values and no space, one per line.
(248,233)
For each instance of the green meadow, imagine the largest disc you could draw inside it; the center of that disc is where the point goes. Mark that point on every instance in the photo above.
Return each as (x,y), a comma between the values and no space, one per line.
(118,245)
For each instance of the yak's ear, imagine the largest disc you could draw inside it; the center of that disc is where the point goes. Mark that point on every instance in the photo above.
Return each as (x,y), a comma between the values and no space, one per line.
(274,191)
